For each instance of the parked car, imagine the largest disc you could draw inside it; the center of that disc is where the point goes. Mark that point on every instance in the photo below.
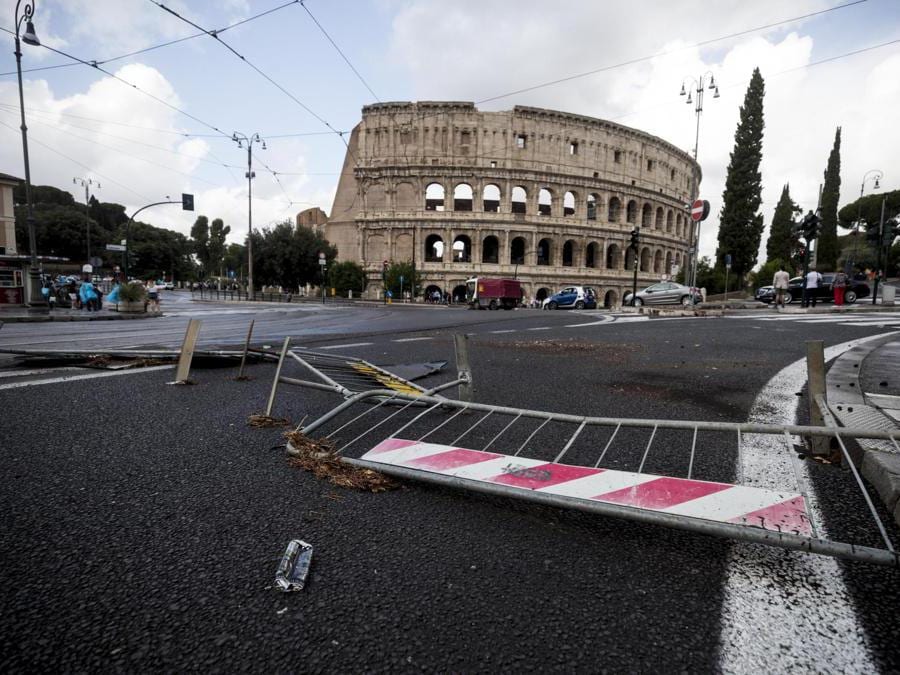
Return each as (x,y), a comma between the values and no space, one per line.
(665,293)
(824,293)
(572,297)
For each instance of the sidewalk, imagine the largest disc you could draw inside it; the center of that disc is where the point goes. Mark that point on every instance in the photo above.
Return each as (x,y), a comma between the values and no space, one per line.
(863,390)
(27,315)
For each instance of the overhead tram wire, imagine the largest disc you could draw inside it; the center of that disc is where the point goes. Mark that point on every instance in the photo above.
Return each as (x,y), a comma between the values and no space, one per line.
(164,44)
(214,35)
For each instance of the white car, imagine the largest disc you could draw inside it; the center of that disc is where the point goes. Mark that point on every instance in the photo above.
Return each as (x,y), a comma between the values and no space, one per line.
(166,285)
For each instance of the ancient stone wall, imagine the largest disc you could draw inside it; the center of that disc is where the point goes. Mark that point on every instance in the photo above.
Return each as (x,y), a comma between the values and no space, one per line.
(546,196)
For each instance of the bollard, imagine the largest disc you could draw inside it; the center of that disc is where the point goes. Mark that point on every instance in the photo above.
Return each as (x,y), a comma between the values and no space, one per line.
(284,350)
(815,391)
(464,372)
(187,351)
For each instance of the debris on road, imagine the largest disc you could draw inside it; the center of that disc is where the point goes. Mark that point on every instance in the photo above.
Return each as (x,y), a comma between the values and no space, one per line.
(319,457)
(260,421)
(294,566)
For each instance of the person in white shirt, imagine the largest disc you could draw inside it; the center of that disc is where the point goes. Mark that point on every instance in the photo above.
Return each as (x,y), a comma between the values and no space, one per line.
(811,288)
(780,283)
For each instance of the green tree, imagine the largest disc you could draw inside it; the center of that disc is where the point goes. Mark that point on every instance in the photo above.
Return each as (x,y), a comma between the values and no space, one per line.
(783,243)
(766,273)
(215,247)
(405,270)
(740,223)
(155,253)
(827,245)
(288,256)
(235,259)
(43,194)
(200,236)
(347,276)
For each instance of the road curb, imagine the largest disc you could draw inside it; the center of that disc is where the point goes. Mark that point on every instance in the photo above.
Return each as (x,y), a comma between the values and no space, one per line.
(105,317)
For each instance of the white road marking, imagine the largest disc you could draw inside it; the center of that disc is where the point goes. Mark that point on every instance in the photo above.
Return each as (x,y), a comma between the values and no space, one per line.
(86,376)
(605,319)
(37,371)
(497,332)
(354,344)
(415,339)
(540,328)
(774,596)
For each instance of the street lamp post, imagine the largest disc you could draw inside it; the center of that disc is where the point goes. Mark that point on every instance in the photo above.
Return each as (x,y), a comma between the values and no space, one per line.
(29,37)
(700,85)
(241,139)
(86,184)
(878,176)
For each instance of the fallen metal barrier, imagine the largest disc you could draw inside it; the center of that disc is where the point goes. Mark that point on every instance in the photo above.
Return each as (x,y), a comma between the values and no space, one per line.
(518,453)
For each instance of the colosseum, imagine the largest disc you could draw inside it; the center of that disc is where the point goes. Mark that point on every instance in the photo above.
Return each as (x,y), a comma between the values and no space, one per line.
(547,197)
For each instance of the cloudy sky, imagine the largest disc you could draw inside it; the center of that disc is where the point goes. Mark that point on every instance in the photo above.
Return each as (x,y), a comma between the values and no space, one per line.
(159,137)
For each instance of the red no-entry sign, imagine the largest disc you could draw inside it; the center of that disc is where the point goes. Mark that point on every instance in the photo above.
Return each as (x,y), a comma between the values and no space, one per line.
(699,210)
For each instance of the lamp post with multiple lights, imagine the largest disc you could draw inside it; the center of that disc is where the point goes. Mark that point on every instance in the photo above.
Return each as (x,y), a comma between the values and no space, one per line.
(699,86)
(242,139)
(86,183)
(877,175)
(29,37)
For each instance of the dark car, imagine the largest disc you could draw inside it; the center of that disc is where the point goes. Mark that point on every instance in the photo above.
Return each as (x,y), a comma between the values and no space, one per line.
(824,293)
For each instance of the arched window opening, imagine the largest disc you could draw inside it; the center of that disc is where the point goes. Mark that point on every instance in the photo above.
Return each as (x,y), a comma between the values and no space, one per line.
(615,208)
(491,197)
(544,252)
(613,257)
(569,204)
(669,219)
(517,251)
(590,255)
(646,216)
(659,219)
(592,205)
(462,249)
(519,199)
(631,212)
(434,197)
(434,248)
(610,300)
(645,260)
(542,294)
(430,294)
(462,197)
(545,202)
(568,253)
(658,263)
(459,294)
(679,225)
(490,250)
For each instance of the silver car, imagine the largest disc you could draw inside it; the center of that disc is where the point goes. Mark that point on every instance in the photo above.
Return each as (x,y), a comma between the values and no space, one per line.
(665,293)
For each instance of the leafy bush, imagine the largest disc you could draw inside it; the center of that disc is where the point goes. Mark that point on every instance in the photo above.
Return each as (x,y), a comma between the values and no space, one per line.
(132,292)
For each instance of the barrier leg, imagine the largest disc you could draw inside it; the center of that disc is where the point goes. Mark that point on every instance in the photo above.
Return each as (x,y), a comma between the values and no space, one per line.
(284,350)
(240,375)
(815,375)
(187,351)
(461,342)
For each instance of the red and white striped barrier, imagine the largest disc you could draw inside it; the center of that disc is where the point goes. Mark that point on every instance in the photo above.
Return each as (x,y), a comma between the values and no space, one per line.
(784,512)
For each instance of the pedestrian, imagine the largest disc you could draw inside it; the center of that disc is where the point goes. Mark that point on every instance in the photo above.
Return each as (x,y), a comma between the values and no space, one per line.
(840,286)
(780,282)
(88,295)
(153,294)
(811,289)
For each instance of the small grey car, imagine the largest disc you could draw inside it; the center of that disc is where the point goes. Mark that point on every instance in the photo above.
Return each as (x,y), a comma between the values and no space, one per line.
(665,293)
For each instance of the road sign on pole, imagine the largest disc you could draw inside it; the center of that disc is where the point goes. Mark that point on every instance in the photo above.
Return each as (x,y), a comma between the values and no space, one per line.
(699,210)
(115,247)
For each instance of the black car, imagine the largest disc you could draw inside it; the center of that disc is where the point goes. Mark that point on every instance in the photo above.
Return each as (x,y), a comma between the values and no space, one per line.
(824,293)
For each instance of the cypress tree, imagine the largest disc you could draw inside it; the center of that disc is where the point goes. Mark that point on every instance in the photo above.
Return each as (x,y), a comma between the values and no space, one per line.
(740,224)
(827,249)
(782,242)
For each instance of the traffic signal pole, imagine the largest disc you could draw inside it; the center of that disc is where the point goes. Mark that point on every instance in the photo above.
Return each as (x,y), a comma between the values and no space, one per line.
(635,245)
(880,247)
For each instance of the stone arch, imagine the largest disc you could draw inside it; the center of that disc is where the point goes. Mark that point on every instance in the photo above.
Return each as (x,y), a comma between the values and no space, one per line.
(659,218)
(542,294)
(430,291)
(491,196)
(376,197)
(545,252)
(434,248)
(568,253)
(405,196)
(545,202)
(615,209)
(463,197)
(594,204)
(519,199)
(517,251)
(458,294)
(658,262)
(590,254)
(631,212)
(613,257)
(403,247)
(434,197)
(462,249)
(646,259)
(647,216)
(669,261)
(490,250)
(569,200)
(669,218)
(610,299)
(629,259)
(376,248)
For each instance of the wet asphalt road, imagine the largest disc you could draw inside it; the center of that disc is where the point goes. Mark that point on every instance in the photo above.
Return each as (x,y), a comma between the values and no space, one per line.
(153,544)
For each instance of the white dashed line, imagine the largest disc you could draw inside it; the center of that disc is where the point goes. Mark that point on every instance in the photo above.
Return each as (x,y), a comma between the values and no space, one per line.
(355,344)
(540,328)
(87,376)
(508,330)
(415,339)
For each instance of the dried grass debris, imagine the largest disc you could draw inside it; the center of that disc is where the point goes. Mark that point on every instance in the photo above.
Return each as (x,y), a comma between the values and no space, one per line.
(260,421)
(319,457)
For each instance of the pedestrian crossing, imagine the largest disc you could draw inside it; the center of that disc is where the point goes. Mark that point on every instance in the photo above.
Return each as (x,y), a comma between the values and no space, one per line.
(862,319)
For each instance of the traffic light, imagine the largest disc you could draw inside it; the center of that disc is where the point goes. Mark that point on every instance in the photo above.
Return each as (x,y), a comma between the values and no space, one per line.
(809,226)
(889,232)
(384,269)
(635,237)
(187,202)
